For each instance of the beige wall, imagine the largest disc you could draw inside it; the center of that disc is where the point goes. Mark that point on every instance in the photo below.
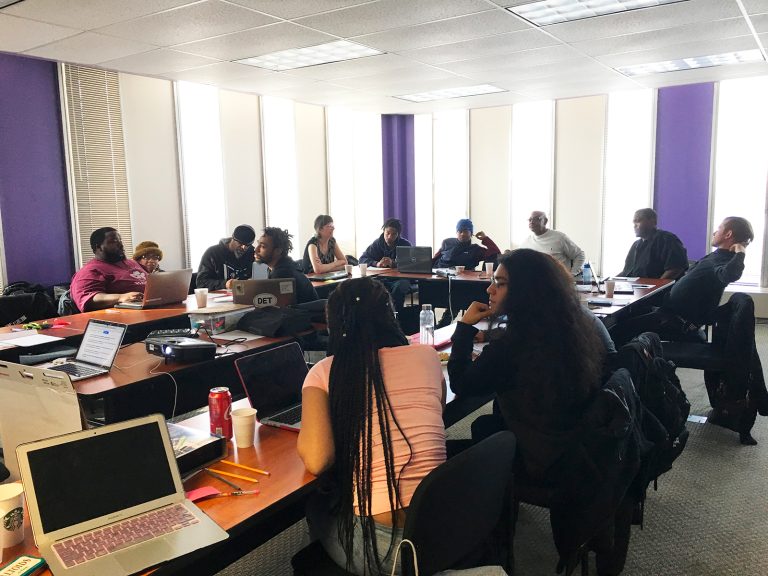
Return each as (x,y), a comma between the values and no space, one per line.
(311,171)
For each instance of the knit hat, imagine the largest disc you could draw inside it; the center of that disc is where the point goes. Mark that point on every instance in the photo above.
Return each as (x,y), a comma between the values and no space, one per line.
(465,224)
(244,234)
(147,247)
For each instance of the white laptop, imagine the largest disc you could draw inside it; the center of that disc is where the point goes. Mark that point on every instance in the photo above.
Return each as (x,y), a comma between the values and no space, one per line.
(162,288)
(259,271)
(115,490)
(97,351)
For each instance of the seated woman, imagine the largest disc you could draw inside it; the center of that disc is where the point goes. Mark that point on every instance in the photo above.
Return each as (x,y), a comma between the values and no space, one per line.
(148,256)
(322,254)
(372,417)
(545,365)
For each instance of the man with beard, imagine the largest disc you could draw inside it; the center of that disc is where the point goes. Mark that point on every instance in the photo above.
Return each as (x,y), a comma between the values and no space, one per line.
(272,249)
(382,253)
(109,277)
(230,259)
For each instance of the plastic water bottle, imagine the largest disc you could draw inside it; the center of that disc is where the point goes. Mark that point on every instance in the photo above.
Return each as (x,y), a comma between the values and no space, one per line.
(427,325)
(586,274)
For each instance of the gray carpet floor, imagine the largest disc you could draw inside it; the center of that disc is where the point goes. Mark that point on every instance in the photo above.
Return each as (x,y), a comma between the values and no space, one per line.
(708,518)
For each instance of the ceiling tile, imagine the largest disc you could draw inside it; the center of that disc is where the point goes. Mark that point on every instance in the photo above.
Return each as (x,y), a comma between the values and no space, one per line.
(19,34)
(442,32)
(189,23)
(760,22)
(713,74)
(90,48)
(388,14)
(481,48)
(256,42)
(703,31)
(645,20)
(688,50)
(578,89)
(385,80)
(156,62)
(289,9)
(419,86)
(87,14)
(265,85)
(360,67)
(523,58)
(574,67)
(220,72)
(756,6)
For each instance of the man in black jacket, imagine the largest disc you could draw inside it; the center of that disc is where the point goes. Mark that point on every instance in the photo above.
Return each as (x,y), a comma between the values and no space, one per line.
(382,253)
(272,249)
(230,259)
(657,253)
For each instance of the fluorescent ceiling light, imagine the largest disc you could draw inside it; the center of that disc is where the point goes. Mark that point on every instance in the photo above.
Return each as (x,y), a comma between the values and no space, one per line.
(311,56)
(548,12)
(692,63)
(459,92)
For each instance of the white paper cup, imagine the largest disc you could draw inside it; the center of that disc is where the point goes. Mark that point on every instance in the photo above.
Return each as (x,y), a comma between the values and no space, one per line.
(11,514)
(459,269)
(610,286)
(348,269)
(201,295)
(363,269)
(244,425)
(489,269)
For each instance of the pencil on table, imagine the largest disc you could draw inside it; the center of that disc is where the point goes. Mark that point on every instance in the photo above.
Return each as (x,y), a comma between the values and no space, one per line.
(244,467)
(238,476)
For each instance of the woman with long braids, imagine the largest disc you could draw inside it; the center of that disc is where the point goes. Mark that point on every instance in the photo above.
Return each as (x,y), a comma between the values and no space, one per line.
(372,419)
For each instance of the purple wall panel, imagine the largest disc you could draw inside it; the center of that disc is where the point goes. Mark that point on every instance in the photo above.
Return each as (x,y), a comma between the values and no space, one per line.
(683,155)
(398,171)
(33,191)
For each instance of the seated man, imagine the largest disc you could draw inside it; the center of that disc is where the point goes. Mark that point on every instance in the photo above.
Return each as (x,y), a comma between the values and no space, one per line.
(554,243)
(109,277)
(693,300)
(230,259)
(460,251)
(272,249)
(382,253)
(657,254)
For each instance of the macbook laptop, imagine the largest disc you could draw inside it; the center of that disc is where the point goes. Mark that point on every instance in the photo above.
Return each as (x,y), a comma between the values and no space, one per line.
(110,500)
(279,292)
(97,351)
(162,288)
(259,271)
(338,275)
(272,380)
(414,259)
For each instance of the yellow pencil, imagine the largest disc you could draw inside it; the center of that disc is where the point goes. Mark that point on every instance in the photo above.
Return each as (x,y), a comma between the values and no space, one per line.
(248,478)
(236,465)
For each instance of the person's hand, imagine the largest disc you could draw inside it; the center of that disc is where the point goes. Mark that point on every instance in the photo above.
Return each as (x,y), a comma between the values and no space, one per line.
(228,284)
(477,311)
(738,248)
(480,336)
(131,297)
(385,262)
(480,235)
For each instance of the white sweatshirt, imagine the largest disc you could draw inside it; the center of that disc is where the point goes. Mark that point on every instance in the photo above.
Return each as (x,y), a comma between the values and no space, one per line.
(560,247)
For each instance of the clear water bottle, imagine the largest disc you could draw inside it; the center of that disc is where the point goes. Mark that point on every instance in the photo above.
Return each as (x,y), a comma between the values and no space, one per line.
(586,274)
(427,325)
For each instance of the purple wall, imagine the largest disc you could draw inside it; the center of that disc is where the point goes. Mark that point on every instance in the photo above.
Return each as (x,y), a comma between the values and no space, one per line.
(683,153)
(33,190)
(398,171)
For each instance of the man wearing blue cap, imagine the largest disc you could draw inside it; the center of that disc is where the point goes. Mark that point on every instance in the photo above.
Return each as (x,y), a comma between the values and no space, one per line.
(460,251)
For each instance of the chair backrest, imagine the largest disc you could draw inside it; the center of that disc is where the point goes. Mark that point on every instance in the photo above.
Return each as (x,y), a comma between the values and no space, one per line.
(67,306)
(192,283)
(458,505)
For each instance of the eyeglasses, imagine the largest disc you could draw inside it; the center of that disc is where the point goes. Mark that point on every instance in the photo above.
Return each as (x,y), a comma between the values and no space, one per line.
(154,257)
(243,244)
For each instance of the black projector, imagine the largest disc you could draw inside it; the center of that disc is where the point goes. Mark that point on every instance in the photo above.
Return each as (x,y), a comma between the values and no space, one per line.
(181,349)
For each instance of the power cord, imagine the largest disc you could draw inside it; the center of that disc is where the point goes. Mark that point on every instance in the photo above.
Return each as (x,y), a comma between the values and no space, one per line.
(175,385)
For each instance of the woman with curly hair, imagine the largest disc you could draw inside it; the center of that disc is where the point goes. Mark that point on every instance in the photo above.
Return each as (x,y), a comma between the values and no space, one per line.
(372,419)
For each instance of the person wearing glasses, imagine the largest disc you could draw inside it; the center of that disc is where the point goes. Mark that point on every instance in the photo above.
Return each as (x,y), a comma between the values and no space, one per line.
(554,243)
(148,255)
(230,259)
(322,253)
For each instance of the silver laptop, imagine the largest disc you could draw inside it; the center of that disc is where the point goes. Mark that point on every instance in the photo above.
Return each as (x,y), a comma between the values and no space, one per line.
(110,500)
(279,292)
(272,380)
(162,288)
(97,351)
(414,259)
(259,271)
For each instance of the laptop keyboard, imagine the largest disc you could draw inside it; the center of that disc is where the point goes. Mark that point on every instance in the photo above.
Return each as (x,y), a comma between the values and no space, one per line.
(77,369)
(290,416)
(91,545)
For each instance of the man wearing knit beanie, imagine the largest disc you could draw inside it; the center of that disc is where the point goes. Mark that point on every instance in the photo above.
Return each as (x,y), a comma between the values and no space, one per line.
(230,259)
(148,255)
(460,251)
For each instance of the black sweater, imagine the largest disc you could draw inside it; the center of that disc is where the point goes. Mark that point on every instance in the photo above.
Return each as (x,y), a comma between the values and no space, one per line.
(286,268)
(212,273)
(380,249)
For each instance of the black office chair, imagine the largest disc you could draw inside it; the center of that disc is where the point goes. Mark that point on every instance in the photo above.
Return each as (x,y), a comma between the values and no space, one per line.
(455,510)
(66,306)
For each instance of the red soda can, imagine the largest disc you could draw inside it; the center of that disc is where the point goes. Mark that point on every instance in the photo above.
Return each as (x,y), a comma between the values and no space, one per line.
(220,409)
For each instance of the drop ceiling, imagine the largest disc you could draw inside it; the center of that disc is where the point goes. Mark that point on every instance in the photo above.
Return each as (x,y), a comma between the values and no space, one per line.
(428,45)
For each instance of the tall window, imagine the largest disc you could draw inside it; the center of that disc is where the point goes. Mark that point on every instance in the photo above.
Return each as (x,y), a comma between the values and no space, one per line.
(422,151)
(450,147)
(201,168)
(98,177)
(628,168)
(741,161)
(533,125)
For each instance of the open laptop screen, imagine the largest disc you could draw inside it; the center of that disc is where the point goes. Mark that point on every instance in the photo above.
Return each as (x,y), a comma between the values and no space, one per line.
(273,379)
(101,342)
(99,475)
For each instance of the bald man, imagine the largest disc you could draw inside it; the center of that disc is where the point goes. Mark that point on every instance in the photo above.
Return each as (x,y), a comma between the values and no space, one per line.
(554,243)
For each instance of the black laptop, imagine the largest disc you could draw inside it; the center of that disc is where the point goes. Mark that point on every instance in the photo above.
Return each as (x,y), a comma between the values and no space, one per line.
(414,259)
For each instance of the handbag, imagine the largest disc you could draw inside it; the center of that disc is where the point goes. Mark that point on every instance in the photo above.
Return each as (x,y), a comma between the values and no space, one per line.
(478,571)
(273,321)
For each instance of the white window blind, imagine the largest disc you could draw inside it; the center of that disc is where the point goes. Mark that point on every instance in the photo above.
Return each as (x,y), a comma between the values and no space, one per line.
(96,154)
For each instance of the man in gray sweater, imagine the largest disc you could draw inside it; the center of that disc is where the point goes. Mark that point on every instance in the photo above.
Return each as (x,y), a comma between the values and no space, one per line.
(554,243)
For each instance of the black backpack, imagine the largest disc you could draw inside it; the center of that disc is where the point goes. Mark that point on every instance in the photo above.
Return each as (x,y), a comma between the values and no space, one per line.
(23,302)
(660,392)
